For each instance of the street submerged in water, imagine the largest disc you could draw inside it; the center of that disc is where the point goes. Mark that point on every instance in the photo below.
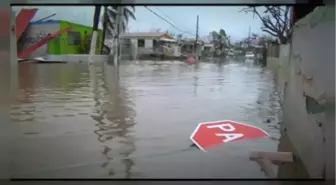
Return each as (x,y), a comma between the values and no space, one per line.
(77,122)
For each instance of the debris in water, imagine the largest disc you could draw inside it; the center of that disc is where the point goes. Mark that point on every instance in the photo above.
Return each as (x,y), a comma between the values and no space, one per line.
(210,134)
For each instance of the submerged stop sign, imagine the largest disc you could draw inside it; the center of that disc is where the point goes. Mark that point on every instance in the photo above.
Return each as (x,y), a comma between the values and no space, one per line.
(209,134)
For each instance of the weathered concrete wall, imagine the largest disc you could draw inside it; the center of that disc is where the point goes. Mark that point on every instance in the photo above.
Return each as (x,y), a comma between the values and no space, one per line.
(273,64)
(280,67)
(308,84)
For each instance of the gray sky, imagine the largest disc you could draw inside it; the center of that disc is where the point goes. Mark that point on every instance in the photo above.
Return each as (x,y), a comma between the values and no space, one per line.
(211,18)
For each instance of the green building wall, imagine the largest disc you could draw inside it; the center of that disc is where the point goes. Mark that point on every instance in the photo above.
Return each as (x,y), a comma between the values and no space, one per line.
(60,46)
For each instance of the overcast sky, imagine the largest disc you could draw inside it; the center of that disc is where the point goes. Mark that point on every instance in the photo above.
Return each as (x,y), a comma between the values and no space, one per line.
(211,18)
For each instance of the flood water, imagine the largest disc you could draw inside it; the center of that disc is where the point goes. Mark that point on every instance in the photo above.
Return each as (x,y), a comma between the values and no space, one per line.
(135,122)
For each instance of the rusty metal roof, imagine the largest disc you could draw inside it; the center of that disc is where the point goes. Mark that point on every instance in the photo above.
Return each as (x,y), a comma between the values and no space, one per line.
(142,34)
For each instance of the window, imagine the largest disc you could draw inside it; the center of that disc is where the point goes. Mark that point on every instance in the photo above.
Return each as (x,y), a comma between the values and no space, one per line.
(74,38)
(141,43)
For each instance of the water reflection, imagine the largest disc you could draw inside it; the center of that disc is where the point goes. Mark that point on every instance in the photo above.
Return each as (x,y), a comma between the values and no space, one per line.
(114,117)
(27,77)
(195,84)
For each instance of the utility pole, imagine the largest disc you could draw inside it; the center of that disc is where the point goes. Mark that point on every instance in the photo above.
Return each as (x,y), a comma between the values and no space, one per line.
(196,51)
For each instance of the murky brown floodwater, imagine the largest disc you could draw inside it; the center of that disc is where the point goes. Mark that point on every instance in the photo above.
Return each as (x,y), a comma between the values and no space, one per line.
(72,125)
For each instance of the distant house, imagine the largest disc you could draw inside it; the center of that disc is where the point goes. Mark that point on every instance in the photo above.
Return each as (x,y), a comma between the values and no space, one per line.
(76,41)
(188,46)
(209,47)
(147,42)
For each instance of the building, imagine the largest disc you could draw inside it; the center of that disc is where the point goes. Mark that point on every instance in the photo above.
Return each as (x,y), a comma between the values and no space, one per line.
(145,43)
(208,49)
(76,41)
(188,46)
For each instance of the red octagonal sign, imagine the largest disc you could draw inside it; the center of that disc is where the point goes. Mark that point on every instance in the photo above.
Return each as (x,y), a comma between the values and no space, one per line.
(209,134)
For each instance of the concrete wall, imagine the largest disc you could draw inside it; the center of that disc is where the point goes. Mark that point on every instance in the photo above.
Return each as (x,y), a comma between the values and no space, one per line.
(307,82)
(273,50)
(280,67)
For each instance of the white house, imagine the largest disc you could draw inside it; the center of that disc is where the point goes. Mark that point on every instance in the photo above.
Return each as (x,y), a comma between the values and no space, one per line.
(148,42)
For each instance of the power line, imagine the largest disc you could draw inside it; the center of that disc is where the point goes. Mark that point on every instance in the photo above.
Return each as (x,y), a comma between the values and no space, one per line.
(171,20)
(168,21)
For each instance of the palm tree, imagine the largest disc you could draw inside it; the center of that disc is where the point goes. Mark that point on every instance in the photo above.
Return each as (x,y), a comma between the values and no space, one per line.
(220,39)
(114,25)
(111,22)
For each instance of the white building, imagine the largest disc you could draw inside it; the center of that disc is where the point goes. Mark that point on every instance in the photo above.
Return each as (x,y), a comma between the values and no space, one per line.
(142,43)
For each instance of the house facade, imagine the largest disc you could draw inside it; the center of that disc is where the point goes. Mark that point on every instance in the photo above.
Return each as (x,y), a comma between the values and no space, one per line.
(188,47)
(76,41)
(145,43)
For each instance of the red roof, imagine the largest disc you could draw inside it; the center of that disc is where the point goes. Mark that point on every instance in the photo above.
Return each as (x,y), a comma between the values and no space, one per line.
(142,34)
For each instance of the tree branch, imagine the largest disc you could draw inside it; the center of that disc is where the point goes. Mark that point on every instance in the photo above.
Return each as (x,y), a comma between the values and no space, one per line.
(275,21)
(269,32)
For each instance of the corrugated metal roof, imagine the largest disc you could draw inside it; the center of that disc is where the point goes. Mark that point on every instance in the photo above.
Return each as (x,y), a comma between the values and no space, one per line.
(142,34)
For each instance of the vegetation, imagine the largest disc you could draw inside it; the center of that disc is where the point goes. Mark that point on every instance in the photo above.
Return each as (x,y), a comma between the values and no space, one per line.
(110,21)
(220,39)
(110,14)
(275,20)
